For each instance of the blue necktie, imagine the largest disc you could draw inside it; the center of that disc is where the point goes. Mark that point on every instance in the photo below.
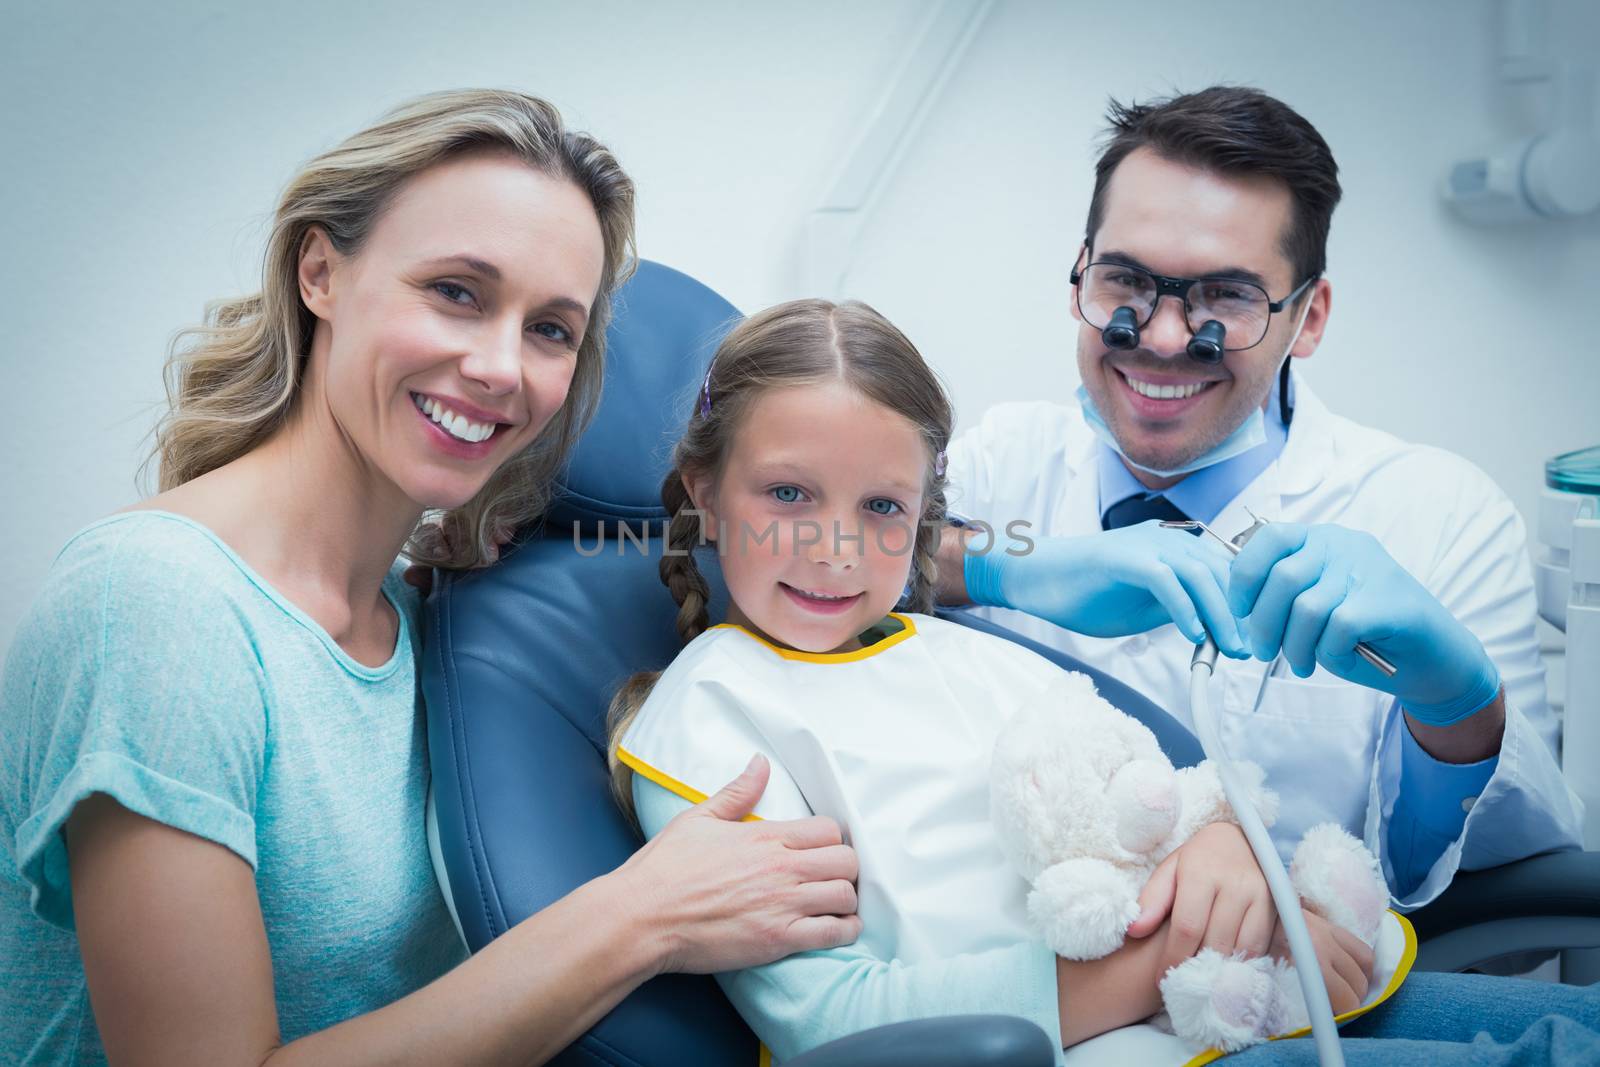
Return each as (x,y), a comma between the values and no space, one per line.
(1140,508)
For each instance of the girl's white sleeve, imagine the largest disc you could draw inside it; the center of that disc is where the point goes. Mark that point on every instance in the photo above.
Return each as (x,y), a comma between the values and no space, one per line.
(811,998)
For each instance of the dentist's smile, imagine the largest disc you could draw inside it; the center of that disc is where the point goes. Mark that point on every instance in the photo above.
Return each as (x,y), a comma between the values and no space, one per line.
(1157,397)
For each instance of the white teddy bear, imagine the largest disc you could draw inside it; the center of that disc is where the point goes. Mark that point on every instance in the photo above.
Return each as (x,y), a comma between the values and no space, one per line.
(1086,805)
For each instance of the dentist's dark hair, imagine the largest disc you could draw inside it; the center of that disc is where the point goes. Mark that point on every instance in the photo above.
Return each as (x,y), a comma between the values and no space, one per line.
(1232,130)
(803,342)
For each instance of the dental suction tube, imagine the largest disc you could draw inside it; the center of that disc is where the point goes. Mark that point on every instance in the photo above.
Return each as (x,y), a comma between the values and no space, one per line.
(1309,969)
(1323,1029)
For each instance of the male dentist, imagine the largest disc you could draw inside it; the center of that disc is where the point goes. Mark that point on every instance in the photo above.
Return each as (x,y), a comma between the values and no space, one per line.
(1199,280)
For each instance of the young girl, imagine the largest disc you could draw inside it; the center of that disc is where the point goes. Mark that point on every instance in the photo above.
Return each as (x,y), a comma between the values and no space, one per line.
(814,462)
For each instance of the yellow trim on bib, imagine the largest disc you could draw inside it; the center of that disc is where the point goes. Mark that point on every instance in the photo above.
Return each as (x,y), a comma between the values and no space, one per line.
(1401,970)
(831,657)
(666,781)
(766,1057)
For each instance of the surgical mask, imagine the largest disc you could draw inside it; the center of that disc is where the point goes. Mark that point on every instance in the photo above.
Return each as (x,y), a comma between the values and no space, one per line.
(1250,433)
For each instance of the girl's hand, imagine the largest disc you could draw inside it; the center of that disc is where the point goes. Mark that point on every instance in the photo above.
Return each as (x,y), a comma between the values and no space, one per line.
(722,894)
(1216,896)
(1346,961)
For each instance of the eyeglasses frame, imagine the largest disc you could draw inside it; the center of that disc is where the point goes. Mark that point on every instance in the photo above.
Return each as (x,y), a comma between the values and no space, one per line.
(1179,288)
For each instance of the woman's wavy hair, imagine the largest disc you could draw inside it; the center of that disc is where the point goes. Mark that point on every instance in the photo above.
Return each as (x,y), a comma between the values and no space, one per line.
(232,381)
(803,342)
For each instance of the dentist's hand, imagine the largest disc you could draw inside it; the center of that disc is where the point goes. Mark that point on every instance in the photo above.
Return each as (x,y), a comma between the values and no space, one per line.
(1114,584)
(1315,592)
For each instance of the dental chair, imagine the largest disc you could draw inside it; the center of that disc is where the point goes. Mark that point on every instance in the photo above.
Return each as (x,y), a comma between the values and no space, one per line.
(519,665)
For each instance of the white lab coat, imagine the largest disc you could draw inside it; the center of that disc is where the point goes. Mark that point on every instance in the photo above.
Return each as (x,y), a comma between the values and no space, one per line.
(1330,748)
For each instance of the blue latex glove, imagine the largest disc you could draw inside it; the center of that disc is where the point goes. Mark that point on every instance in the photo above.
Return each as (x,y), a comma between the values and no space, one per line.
(1315,591)
(1114,584)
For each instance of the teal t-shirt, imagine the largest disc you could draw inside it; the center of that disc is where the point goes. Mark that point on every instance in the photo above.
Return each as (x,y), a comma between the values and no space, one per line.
(157,667)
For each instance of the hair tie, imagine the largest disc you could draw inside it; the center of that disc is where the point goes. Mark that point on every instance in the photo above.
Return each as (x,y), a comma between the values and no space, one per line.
(705,395)
(939,462)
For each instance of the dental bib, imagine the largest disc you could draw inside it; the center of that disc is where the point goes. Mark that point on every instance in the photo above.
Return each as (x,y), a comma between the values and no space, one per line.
(857,736)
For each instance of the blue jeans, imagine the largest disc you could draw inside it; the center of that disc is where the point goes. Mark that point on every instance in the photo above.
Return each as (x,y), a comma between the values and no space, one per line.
(1462,1019)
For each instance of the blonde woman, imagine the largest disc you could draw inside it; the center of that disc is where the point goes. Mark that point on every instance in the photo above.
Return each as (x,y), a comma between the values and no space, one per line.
(212,763)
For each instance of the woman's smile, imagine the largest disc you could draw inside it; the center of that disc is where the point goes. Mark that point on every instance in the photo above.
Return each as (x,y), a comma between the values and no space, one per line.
(458,427)
(452,431)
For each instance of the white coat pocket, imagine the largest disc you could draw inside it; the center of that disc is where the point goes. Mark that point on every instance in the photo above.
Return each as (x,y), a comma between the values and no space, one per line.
(1315,736)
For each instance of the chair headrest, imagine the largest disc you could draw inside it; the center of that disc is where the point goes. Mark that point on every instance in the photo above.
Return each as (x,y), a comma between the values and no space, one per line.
(665,328)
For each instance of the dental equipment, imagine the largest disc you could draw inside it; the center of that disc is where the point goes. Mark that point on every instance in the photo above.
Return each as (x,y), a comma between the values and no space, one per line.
(1324,1030)
(1364,650)
(1567,579)
(1122,332)
(1206,344)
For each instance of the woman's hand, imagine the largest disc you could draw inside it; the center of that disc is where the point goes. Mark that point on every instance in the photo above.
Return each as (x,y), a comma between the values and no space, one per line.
(723,894)
(1346,961)
(1216,896)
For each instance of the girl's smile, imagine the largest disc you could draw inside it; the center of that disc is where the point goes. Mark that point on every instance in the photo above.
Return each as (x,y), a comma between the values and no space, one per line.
(821,603)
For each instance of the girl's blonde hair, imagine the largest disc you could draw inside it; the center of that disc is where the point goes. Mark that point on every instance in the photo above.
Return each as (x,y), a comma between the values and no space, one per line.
(232,381)
(803,342)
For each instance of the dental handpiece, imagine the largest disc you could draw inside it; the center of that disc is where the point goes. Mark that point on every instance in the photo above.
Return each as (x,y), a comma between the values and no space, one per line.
(1364,650)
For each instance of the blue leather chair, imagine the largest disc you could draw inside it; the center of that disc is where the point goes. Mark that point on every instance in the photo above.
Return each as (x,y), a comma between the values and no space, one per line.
(520,663)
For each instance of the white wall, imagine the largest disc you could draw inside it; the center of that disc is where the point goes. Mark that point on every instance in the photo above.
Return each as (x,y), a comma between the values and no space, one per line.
(142,145)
